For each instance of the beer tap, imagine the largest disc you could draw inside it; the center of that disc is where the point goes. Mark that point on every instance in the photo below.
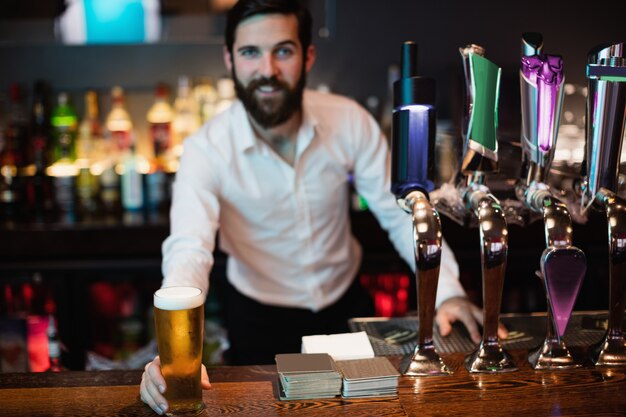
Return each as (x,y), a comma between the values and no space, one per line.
(563,265)
(480,157)
(606,116)
(413,146)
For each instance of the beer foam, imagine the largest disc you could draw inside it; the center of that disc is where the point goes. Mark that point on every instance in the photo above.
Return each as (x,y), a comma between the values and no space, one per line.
(178,298)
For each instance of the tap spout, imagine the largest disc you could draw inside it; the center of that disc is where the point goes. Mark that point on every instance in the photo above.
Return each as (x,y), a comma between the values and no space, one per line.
(563,269)
(427,247)
(494,248)
(612,349)
(490,357)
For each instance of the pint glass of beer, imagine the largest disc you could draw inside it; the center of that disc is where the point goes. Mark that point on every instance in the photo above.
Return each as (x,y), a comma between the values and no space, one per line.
(179,323)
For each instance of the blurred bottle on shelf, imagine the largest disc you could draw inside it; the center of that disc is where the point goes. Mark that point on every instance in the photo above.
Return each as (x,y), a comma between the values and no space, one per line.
(160,117)
(117,142)
(206,96)
(225,93)
(393,74)
(118,122)
(131,181)
(87,151)
(17,125)
(13,142)
(131,326)
(63,168)
(39,190)
(186,120)
(54,346)
(64,128)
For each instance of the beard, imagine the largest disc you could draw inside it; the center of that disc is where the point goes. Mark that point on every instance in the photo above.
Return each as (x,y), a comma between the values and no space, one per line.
(271,112)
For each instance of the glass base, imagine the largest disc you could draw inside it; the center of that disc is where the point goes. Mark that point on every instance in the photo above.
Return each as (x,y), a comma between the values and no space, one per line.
(552,355)
(196,410)
(611,351)
(425,362)
(489,358)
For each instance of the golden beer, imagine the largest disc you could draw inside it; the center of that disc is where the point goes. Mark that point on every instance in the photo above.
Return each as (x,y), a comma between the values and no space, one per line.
(179,323)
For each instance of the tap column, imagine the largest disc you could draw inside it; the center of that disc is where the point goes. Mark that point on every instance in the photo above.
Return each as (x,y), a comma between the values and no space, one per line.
(606,117)
(563,266)
(412,146)
(480,158)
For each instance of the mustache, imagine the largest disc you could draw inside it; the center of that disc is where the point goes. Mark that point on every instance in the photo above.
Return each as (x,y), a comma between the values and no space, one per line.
(265,81)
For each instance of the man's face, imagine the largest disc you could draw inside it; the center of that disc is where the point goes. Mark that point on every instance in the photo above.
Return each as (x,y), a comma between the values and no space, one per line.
(269,67)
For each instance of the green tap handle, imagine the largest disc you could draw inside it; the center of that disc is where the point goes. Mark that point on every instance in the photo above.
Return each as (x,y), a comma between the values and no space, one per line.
(482,80)
(485,79)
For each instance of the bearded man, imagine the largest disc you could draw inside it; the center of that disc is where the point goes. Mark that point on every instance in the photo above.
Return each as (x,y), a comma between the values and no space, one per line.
(271,174)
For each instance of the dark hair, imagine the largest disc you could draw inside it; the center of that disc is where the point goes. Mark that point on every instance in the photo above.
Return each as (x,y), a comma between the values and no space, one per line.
(244,9)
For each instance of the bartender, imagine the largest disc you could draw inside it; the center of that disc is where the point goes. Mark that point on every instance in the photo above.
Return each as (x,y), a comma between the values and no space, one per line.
(270,174)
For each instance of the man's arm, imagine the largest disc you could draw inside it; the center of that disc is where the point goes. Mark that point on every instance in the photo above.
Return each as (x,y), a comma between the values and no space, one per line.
(194,218)
(188,250)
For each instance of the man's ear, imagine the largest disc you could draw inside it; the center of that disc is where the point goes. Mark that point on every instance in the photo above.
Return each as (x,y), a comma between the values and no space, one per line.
(228,58)
(310,57)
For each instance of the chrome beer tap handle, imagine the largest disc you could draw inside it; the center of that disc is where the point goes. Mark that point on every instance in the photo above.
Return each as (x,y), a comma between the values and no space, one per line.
(480,158)
(412,160)
(489,356)
(427,246)
(612,349)
(606,118)
(563,266)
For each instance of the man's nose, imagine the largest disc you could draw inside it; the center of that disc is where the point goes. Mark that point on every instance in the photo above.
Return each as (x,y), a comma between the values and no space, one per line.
(268,66)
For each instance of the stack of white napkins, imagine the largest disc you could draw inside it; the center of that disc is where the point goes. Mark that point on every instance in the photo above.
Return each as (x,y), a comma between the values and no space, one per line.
(372,377)
(303,376)
(341,346)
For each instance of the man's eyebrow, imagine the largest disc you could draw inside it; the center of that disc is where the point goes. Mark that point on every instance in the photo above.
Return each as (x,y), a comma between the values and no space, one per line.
(282,43)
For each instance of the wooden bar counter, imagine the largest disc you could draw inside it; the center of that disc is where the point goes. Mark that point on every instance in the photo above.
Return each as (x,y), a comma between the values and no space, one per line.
(251,391)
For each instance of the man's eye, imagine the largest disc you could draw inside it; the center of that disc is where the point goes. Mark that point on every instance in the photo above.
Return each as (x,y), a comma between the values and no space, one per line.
(284,52)
(248,53)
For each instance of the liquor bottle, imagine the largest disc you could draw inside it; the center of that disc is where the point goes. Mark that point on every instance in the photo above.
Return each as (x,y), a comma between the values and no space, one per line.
(186,120)
(225,93)
(118,142)
(206,96)
(118,122)
(63,169)
(131,181)
(13,155)
(159,118)
(9,190)
(64,128)
(131,328)
(89,136)
(54,346)
(17,126)
(39,191)
(386,116)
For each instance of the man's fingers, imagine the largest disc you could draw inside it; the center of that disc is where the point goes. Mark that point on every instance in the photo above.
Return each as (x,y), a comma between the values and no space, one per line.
(477,313)
(503,333)
(150,395)
(471,326)
(443,321)
(153,386)
(153,370)
(205,378)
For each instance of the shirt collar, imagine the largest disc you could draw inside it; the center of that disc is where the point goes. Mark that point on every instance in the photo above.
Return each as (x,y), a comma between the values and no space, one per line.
(246,139)
(244,134)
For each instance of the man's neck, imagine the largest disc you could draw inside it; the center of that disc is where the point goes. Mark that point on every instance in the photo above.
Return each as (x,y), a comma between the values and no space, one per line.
(281,138)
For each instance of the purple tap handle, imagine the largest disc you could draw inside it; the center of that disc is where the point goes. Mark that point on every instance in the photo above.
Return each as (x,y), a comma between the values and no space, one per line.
(546,72)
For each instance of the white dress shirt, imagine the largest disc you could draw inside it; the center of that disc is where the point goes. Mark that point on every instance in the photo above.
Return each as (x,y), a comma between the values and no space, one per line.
(286,228)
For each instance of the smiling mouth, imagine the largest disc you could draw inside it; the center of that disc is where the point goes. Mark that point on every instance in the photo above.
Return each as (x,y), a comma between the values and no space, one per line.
(269,89)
